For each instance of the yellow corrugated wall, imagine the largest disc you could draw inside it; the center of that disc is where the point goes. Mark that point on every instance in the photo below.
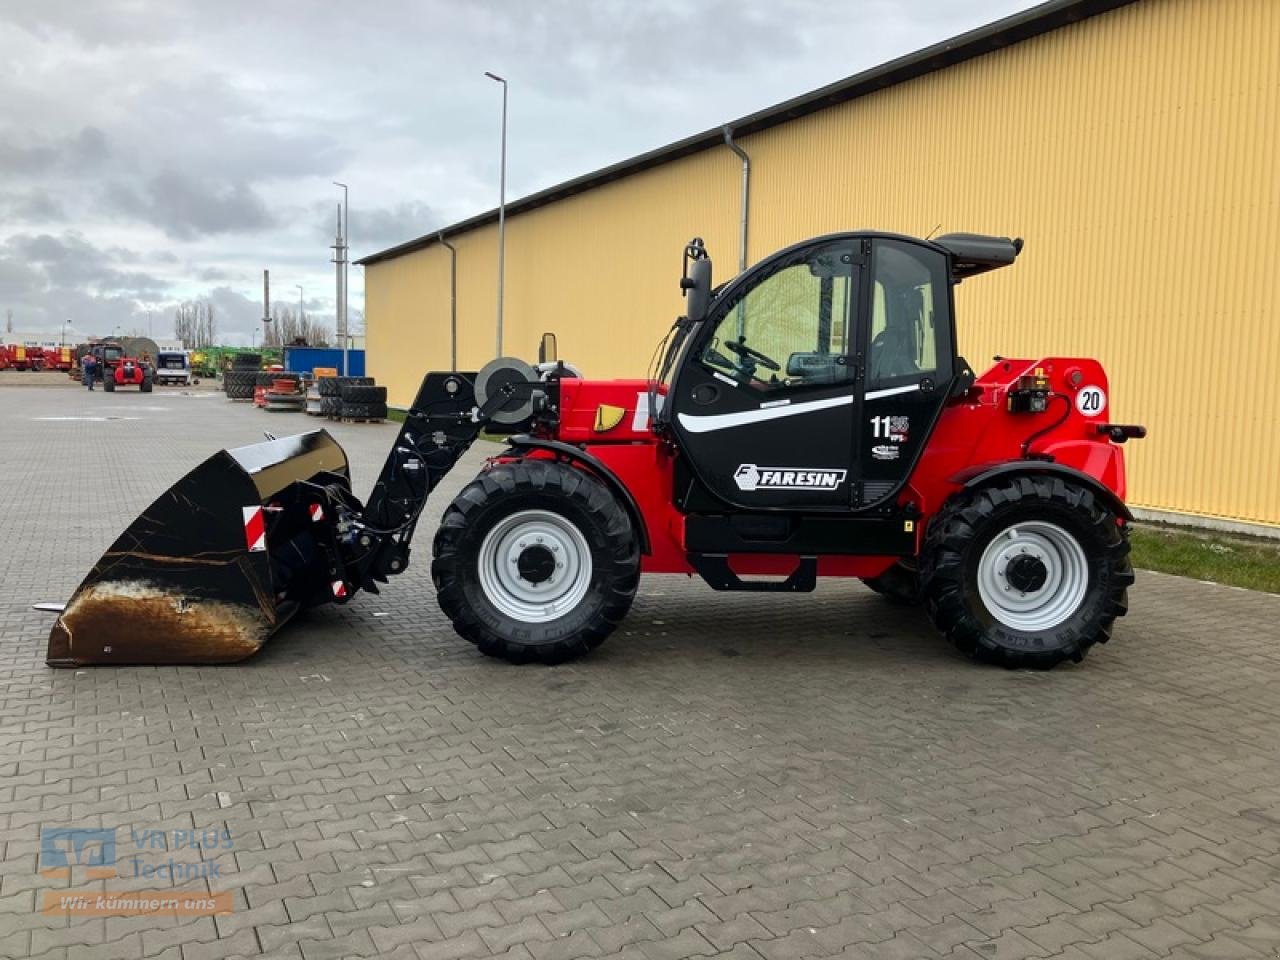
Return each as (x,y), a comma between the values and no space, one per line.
(1136,152)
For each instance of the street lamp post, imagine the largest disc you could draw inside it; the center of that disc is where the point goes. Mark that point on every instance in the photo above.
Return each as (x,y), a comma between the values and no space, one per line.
(343,262)
(502,203)
(299,286)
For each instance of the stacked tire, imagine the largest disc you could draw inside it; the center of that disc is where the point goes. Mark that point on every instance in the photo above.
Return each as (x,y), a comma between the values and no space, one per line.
(359,399)
(330,396)
(238,382)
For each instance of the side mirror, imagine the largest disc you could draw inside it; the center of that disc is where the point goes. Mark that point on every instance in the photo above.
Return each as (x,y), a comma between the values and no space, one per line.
(697,289)
(547,349)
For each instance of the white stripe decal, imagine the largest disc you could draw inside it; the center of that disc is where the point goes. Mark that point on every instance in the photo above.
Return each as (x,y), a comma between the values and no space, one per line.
(723,421)
(892,391)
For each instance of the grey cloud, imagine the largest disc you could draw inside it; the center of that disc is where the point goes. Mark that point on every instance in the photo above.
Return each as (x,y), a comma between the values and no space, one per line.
(186,208)
(79,153)
(33,264)
(34,206)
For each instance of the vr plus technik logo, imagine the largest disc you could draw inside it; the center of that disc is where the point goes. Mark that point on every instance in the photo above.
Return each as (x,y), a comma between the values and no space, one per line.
(81,854)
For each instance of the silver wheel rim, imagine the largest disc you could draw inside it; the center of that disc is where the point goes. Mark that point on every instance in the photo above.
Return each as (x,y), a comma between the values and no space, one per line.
(520,598)
(1065,585)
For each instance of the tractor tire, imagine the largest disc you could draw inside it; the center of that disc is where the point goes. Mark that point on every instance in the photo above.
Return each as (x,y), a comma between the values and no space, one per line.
(247,361)
(146,385)
(240,384)
(330,407)
(109,384)
(900,584)
(363,393)
(328,386)
(500,545)
(1044,538)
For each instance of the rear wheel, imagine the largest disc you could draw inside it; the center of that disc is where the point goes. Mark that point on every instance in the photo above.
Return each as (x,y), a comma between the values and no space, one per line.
(535,561)
(1027,572)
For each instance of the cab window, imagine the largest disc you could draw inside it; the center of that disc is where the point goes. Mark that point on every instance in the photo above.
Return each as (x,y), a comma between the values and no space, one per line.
(791,328)
(910,320)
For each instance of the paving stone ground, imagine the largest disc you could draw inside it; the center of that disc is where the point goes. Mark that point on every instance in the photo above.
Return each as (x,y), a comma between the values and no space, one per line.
(729,775)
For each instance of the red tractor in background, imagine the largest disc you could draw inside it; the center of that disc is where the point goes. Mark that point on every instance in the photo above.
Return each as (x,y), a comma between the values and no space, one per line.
(129,372)
(810,418)
(114,369)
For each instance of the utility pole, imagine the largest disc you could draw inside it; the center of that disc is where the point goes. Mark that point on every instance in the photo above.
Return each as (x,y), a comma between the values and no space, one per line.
(300,314)
(342,259)
(266,305)
(502,203)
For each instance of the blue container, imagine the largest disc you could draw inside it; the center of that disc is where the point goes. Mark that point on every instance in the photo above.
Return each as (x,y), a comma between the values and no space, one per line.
(306,359)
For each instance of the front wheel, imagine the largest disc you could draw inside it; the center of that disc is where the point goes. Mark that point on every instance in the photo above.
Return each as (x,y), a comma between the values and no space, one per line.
(535,561)
(1027,572)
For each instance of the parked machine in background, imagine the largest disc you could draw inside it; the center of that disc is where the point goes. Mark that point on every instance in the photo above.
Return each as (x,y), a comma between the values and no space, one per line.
(61,359)
(810,418)
(115,368)
(174,367)
(130,372)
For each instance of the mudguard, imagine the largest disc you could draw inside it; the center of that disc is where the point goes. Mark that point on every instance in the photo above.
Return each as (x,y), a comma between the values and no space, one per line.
(980,474)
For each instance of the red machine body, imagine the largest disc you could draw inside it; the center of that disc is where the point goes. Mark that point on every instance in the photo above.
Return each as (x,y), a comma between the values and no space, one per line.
(128,372)
(974,433)
(61,359)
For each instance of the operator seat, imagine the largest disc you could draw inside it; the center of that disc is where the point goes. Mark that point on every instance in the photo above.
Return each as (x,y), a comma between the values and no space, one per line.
(893,353)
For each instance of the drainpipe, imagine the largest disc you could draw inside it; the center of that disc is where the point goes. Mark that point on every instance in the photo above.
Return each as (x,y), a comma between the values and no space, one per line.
(746,195)
(453,301)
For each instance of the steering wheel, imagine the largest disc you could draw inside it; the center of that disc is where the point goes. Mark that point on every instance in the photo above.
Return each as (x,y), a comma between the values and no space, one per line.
(740,347)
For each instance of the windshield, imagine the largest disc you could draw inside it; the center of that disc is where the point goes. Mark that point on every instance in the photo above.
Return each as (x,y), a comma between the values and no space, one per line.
(790,326)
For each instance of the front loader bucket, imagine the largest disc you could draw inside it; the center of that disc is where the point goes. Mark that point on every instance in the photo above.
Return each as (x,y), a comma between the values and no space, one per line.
(193,579)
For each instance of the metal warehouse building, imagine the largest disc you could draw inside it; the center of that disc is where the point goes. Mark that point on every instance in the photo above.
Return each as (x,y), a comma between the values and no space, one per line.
(1133,144)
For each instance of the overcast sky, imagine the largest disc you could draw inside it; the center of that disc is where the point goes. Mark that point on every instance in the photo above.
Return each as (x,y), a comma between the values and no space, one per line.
(152,152)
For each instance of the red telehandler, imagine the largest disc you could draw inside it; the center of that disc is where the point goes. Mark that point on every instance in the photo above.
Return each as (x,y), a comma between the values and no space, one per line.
(809,418)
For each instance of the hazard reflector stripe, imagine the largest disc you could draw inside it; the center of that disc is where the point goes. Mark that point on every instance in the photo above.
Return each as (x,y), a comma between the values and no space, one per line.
(317,512)
(339,588)
(255,529)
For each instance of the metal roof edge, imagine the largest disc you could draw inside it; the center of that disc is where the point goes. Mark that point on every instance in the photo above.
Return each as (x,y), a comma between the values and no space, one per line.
(1025,25)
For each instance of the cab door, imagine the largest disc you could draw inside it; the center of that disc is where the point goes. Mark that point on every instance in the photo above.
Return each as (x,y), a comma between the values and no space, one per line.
(765,403)
(910,362)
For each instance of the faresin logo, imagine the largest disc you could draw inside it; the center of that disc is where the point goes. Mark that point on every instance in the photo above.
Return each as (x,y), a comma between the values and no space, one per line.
(750,477)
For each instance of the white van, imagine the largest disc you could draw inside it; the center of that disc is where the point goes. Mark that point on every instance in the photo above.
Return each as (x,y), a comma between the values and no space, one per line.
(173,366)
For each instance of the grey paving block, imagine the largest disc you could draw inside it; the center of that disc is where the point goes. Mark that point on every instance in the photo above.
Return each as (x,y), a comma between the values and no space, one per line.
(741,775)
